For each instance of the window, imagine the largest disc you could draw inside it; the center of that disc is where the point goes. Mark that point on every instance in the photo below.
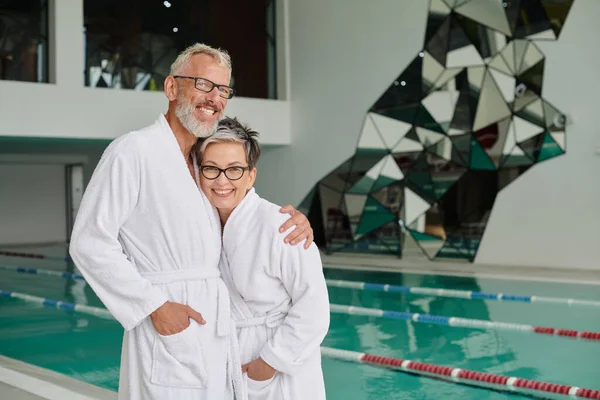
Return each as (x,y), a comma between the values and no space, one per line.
(24,40)
(130,44)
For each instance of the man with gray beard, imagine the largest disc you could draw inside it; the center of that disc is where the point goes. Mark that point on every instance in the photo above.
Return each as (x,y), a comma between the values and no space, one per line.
(148,243)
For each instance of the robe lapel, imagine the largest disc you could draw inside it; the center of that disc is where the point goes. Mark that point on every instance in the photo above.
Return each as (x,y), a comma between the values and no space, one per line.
(236,228)
(239,308)
(192,187)
(173,146)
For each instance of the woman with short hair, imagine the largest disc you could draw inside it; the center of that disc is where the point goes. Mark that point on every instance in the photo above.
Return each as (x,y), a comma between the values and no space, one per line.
(279,298)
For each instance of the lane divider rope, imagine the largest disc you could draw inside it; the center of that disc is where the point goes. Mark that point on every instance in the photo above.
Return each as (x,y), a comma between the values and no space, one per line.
(457,375)
(462,322)
(61,305)
(423,318)
(472,378)
(461,294)
(41,271)
(30,255)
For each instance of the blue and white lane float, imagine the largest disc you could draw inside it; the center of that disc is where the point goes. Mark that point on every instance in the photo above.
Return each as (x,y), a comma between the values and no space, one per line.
(31,255)
(41,271)
(461,322)
(377,287)
(537,389)
(372,312)
(460,294)
(61,305)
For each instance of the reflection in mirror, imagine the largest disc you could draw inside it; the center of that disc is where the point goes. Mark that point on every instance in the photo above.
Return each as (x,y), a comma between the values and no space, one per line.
(385,239)
(520,49)
(438,9)
(508,53)
(432,69)
(525,129)
(369,137)
(532,56)
(492,107)
(506,84)
(355,205)
(466,104)
(407,145)
(362,162)
(531,19)
(441,106)
(446,78)
(498,63)
(555,120)
(391,130)
(427,137)
(389,173)
(475,77)
(430,244)
(442,149)
(373,217)
(391,196)
(414,207)
(492,139)
(338,179)
(365,184)
(488,13)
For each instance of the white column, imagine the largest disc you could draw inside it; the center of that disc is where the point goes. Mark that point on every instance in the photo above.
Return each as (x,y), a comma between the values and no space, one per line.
(65,28)
(282,40)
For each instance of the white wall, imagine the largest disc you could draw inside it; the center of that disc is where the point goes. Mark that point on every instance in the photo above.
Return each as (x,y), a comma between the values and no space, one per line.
(345,53)
(65,108)
(32,203)
(549,216)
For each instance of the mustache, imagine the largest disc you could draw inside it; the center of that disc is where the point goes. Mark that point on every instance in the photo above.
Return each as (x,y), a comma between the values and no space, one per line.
(213,106)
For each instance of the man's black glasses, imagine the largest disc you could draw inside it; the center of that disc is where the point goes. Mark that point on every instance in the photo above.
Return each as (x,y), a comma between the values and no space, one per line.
(204,85)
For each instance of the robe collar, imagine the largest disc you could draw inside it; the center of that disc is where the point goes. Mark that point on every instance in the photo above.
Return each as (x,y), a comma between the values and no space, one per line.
(248,202)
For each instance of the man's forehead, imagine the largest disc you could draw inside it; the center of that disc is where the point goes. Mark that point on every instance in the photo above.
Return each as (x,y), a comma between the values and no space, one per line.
(204,62)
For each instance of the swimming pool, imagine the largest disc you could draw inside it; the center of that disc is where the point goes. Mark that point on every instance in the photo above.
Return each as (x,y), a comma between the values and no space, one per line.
(87,348)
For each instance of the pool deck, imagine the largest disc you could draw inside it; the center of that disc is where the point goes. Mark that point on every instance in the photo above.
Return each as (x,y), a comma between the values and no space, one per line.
(22,381)
(415,262)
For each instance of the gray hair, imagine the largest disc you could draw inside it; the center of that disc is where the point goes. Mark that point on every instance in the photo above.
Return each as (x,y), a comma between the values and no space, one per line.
(230,130)
(219,55)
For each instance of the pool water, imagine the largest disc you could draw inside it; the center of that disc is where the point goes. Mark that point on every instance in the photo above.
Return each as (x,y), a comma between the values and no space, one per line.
(88,348)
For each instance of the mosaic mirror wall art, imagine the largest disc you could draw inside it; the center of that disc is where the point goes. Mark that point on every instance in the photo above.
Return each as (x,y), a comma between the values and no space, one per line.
(463,120)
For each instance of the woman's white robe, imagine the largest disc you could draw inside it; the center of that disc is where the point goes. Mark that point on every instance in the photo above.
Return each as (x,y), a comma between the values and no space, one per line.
(146,234)
(279,301)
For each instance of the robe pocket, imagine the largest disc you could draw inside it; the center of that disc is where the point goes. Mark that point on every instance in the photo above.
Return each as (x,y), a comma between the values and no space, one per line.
(257,387)
(177,360)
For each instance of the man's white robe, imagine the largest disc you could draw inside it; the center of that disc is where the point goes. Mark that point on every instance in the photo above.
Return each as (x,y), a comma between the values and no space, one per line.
(146,234)
(279,301)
